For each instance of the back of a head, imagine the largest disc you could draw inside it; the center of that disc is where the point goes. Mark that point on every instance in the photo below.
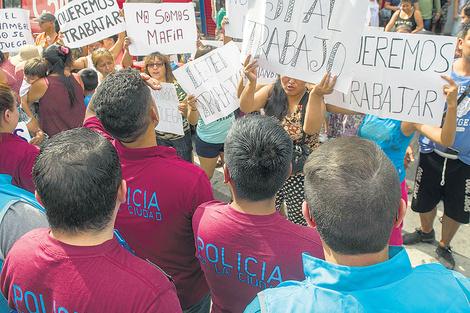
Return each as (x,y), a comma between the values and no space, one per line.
(353,194)
(89,78)
(35,67)
(258,154)
(122,103)
(77,174)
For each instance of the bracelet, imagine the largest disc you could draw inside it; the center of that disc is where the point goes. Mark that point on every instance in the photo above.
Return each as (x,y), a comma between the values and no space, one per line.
(193,110)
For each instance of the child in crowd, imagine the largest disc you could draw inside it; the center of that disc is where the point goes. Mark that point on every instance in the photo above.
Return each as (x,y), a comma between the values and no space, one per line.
(34,69)
(90,82)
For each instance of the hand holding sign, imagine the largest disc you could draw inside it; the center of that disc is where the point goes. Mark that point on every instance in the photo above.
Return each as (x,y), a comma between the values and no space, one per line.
(250,69)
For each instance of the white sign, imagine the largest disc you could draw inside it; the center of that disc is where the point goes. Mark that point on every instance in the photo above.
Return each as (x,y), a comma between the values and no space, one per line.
(213,79)
(398,76)
(22,131)
(15,30)
(306,39)
(83,22)
(169,28)
(265,77)
(167,102)
(236,15)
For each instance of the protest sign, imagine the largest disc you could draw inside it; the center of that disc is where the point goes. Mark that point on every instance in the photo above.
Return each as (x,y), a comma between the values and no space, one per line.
(169,28)
(265,77)
(86,21)
(236,15)
(398,76)
(305,39)
(167,102)
(15,30)
(22,131)
(213,79)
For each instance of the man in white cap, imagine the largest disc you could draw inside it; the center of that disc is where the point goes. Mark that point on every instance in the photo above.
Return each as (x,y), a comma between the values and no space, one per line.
(46,24)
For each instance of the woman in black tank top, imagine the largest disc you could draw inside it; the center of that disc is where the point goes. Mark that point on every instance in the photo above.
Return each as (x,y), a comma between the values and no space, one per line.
(407,16)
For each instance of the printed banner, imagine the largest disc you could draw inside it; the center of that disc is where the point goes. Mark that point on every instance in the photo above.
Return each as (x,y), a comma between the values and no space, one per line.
(306,39)
(85,22)
(15,30)
(22,131)
(398,76)
(213,79)
(236,15)
(169,28)
(166,99)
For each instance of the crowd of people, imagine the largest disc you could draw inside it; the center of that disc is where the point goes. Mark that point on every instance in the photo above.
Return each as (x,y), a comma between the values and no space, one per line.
(99,211)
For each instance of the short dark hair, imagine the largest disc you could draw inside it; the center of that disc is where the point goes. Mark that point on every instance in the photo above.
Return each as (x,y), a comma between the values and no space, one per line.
(35,67)
(77,174)
(466,9)
(463,33)
(353,194)
(122,103)
(89,78)
(258,154)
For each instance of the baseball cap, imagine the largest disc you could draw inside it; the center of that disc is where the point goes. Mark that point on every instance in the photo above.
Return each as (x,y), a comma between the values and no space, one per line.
(45,17)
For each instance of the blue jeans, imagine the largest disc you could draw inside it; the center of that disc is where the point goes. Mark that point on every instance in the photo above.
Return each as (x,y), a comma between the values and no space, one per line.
(427,24)
(203,306)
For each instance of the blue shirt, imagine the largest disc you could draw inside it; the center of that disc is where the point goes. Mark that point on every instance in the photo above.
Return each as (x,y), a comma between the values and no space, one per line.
(216,131)
(87,100)
(387,134)
(462,134)
(390,286)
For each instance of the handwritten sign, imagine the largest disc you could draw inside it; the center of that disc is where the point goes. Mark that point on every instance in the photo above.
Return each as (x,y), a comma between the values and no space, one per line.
(236,15)
(167,102)
(165,27)
(398,76)
(213,79)
(22,131)
(15,30)
(83,22)
(306,39)
(265,77)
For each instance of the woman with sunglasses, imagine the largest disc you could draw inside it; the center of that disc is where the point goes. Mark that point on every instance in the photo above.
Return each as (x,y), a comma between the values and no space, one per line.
(158,66)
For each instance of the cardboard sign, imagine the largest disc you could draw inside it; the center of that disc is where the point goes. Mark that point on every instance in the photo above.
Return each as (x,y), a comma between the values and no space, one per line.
(398,76)
(213,79)
(22,131)
(169,28)
(236,15)
(166,99)
(83,22)
(15,30)
(305,39)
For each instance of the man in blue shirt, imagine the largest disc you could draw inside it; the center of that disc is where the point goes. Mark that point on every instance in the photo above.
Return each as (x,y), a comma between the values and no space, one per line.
(353,197)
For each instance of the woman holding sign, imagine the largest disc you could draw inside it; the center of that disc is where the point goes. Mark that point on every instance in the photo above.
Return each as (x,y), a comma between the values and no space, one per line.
(283,100)
(394,137)
(158,66)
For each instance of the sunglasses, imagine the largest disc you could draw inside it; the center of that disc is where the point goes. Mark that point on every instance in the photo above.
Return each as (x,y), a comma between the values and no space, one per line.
(158,64)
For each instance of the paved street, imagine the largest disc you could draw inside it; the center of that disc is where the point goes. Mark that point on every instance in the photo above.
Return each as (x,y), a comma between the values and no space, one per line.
(419,253)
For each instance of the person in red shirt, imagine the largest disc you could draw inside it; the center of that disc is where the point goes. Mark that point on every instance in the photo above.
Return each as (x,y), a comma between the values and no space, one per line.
(16,155)
(163,191)
(245,247)
(78,264)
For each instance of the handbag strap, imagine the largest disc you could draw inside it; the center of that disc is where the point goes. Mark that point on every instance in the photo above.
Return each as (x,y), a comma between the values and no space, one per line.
(303,104)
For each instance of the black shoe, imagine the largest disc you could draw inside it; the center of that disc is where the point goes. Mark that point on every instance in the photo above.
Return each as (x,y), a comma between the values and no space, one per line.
(418,236)
(445,257)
